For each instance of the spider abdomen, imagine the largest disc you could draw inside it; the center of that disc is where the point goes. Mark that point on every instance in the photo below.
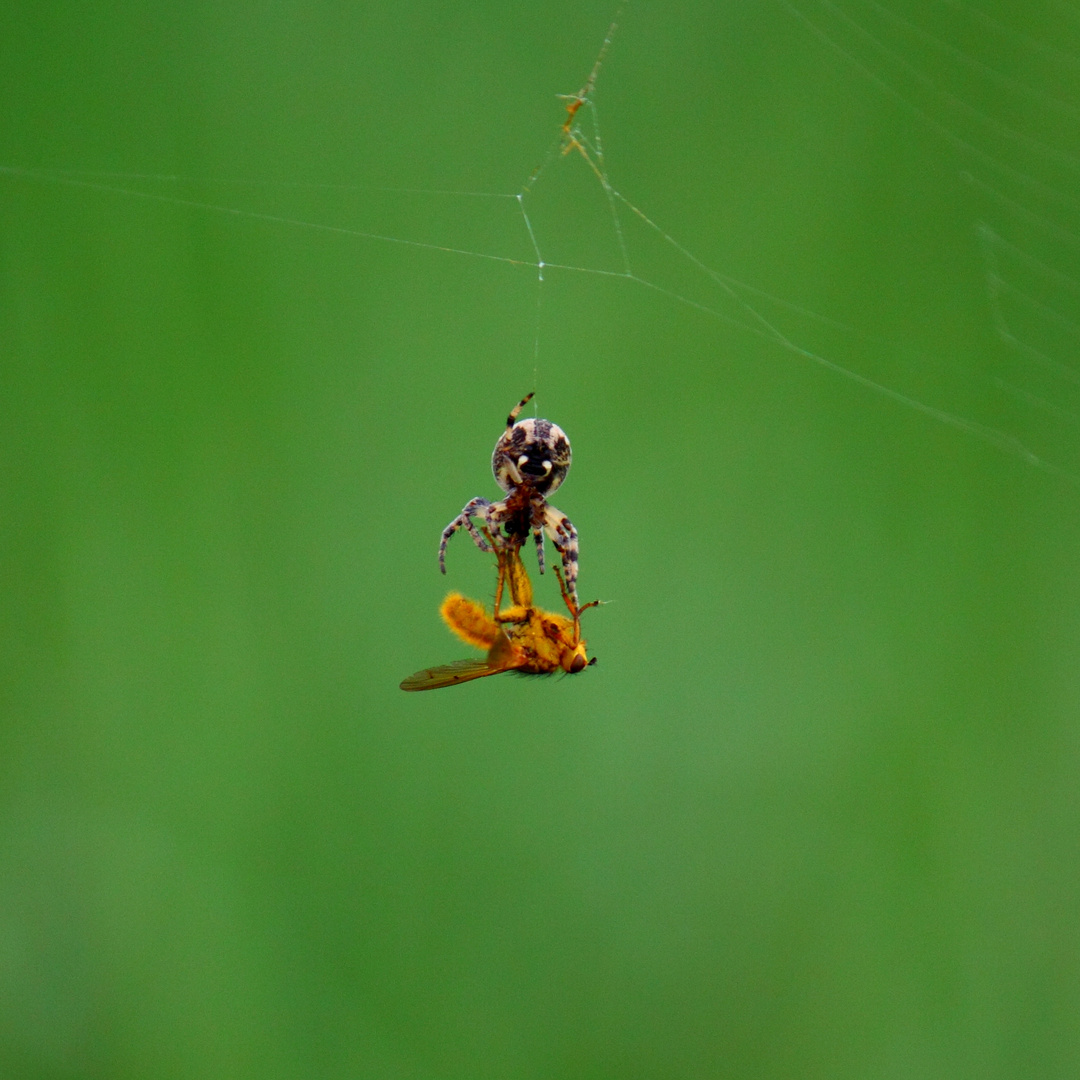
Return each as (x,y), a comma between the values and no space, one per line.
(535,453)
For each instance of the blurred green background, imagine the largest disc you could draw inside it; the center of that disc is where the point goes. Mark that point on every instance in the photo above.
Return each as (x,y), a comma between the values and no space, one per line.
(815,813)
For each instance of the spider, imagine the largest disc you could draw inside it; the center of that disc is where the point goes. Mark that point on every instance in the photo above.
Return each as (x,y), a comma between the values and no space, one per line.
(530,461)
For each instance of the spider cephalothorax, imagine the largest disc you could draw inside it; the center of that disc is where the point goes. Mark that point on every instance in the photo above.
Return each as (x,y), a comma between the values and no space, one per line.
(530,461)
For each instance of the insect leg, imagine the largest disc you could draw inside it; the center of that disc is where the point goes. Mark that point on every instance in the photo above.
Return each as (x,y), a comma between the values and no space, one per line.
(500,555)
(520,585)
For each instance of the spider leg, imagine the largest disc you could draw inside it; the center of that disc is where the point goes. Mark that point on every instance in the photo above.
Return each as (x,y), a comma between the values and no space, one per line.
(538,536)
(464,521)
(572,606)
(538,509)
(568,600)
(564,536)
(495,516)
(515,412)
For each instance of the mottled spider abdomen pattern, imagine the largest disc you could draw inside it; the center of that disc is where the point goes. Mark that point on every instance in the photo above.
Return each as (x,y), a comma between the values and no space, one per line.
(530,461)
(534,452)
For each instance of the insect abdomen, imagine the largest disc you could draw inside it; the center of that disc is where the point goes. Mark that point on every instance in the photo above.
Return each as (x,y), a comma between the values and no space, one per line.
(469,621)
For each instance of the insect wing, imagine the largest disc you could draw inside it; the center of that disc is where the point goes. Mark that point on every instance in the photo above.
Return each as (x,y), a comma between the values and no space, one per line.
(451,674)
(502,657)
(448,675)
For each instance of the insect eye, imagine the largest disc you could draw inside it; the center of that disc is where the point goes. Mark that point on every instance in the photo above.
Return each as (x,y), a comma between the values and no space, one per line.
(579,663)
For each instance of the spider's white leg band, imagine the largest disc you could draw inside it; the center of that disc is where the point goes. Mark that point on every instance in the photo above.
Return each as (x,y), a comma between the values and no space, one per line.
(564,536)
(464,520)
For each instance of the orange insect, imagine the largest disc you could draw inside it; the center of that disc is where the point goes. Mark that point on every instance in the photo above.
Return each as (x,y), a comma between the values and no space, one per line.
(522,638)
(582,97)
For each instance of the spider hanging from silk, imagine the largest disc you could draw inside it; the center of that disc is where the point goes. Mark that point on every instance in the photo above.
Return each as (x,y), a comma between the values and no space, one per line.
(530,461)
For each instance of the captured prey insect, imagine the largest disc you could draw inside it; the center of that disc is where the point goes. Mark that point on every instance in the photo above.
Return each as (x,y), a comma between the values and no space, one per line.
(522,638)
(530,461)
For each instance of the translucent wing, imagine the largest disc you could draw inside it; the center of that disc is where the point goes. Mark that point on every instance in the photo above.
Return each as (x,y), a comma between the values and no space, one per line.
(502,657)
(450,674)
